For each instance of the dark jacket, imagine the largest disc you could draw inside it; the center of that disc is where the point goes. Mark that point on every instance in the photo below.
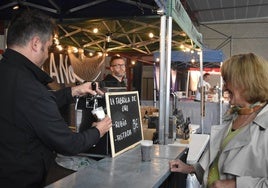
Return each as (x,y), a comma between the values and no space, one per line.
(32,129)
(111,81)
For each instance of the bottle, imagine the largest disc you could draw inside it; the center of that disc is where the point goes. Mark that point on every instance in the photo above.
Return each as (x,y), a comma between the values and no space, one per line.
(186,129)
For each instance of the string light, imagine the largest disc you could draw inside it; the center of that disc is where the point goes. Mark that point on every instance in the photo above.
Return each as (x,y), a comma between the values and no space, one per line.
(187,49)
(75,50)
(95,30)
(59,47)
(16,7)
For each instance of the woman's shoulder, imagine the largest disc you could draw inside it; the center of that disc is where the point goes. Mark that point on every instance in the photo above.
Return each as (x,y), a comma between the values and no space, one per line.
(262,118)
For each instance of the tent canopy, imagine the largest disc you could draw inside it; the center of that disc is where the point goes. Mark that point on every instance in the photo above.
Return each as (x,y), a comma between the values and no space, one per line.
(211,58)
(208,56)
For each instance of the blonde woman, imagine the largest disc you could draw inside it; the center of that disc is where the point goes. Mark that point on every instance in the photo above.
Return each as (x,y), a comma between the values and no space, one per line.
(238,150)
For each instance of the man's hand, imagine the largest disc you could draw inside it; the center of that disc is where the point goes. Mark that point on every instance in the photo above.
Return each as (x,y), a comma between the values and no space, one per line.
(84,89)
(104,125)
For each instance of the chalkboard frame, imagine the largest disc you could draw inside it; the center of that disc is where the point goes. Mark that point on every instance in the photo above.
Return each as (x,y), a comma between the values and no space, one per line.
(108,96)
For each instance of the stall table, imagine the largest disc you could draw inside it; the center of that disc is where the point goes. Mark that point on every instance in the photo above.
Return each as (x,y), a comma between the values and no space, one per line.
(125,170)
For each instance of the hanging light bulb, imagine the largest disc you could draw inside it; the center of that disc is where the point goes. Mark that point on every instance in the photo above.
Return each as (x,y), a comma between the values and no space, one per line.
(187,49)
(16,7)
(59,47)
(75,50)
(95,30)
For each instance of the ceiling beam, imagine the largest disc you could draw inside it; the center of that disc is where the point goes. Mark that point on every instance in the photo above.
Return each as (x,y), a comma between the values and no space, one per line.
(137,4)
(8,5)
(69,36)
(39,7)
(231,7)
(85,6)
(52,2)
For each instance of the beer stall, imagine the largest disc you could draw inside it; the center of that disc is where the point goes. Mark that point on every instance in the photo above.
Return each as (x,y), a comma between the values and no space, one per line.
(117,154)
(120,151)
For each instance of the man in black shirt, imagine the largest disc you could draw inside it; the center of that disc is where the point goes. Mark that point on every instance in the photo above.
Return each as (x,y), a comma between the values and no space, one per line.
(32,129)
(118,71)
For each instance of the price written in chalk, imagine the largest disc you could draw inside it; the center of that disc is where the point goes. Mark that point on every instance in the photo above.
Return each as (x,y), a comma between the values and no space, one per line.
(119,124)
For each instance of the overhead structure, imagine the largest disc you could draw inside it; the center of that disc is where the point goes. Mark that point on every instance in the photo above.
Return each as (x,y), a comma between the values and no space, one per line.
(138,35)
(117,26)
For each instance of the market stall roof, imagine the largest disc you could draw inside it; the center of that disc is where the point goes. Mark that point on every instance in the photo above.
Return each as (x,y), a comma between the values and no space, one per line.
(82,9)
(123,25)
(222,11)
(211,58)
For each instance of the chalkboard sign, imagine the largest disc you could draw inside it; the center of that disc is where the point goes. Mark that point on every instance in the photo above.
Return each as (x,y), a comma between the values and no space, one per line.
(124,110)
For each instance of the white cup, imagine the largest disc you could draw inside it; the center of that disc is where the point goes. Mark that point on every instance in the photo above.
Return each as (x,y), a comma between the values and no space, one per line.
(99,113)
(146,147)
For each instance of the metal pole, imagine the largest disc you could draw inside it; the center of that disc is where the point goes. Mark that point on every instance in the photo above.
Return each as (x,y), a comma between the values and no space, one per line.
(220,99)
(187,85)
(162,80)
(168,72)
(155,86)
(202,103)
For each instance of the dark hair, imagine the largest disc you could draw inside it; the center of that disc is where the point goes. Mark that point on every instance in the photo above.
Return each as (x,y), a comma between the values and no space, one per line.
(28,23)
(114,58)
(205,75)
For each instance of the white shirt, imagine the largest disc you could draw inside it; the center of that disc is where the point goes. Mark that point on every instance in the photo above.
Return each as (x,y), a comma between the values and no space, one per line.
(207,87)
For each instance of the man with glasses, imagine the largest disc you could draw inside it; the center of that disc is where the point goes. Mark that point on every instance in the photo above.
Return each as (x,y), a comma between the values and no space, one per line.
(118,71)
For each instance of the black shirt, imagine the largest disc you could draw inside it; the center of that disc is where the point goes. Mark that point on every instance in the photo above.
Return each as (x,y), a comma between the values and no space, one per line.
(111,81)
(32,129)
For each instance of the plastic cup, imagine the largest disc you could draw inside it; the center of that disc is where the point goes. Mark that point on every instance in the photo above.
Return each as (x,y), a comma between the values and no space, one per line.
(146,147)
(99,113)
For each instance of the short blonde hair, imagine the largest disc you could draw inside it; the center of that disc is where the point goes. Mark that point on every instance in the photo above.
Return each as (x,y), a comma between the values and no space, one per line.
(249,73)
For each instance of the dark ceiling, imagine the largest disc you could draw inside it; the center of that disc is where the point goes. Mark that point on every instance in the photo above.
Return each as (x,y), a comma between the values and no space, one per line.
(83,9)
(124,25)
